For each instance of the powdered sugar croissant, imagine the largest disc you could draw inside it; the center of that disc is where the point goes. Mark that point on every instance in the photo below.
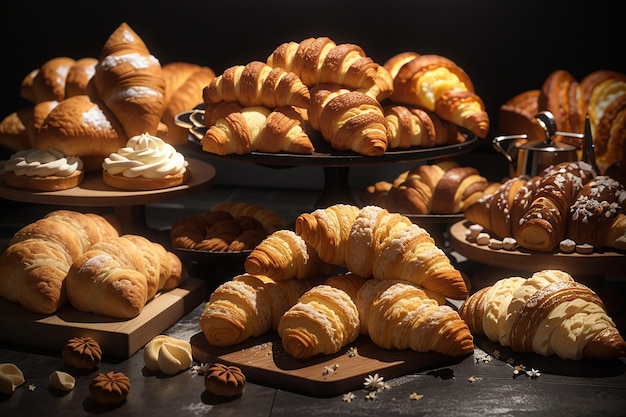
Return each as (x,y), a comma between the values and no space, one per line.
(397,314)
(324,320)
(257,84)
(548,313)
(248,306)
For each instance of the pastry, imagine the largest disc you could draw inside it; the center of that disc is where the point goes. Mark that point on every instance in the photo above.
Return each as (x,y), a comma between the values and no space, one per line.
(82,352)
(284,255)
(548,314)
(327,231)
(257,84)
(34,266)
(349,119)
(224,381)
(248,306)
(145,163)
(399,315)
(412,126)
(598,215)
(321,61)
(236,129)
(560,94)
(440,85)
(117,276)
(324,320)
(184,82)
(43,171)
(11,377)
(109,388)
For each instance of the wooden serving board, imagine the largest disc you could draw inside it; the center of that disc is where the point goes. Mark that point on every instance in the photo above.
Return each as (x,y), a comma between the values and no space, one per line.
(264,361)
(118,338)
(601,262)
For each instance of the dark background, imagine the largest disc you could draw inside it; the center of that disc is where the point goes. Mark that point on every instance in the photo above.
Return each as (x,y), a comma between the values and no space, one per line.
(505,46)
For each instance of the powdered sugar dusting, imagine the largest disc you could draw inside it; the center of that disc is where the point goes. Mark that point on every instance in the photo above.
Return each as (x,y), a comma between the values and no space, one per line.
(96,118)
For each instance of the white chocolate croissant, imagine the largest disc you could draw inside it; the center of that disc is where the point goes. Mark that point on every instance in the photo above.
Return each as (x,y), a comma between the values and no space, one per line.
(548,314)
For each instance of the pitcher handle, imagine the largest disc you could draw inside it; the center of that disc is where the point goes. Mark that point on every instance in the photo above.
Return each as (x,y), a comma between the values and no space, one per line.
(497,145)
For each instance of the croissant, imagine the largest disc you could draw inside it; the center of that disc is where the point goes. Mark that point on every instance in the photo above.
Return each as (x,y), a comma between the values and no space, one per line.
(349,120)
(34,266)
(548,314)
(284,255)
(270,220)
(234,129)
(321,61)
(118,275)
(397,314)
(184,82)
(327,231)
(258,84)
(130,82)
(413,126)
(542,226)
(48,82)
(441,188)
(440,85)
(597,216)
(324,320)
(248,306)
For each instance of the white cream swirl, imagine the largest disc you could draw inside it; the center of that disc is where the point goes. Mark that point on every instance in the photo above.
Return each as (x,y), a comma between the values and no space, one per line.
(36,163)
(145,156)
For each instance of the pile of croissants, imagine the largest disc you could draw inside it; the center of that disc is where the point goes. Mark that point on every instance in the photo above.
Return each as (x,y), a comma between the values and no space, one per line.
(394,292)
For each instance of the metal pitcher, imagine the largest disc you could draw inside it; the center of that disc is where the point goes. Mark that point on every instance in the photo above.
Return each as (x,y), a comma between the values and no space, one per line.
(531,158)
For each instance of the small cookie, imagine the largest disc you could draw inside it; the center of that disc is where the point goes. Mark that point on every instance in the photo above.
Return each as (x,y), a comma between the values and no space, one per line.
(109,388)
(584,249)
(567,246)
(82,353)
(224,381)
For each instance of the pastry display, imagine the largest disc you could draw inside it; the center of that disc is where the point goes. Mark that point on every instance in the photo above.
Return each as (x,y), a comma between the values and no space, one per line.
(567,201)
(118,275)
(146,162)
(42,171)
(441,188)
(109,388)
(167,354)
(224,381)
(82,352)
(548,313)
(229,226)
(599,94)
(34,265)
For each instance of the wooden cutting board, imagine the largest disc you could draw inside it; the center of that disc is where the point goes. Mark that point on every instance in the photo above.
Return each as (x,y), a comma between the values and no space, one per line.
(263,361)
(118,338)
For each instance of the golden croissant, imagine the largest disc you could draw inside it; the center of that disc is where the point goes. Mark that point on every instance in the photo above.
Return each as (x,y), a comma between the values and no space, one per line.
(234,129)
(284,255)
(257,84)
(324,319)
(349,119)
(248,306)
(440,85)
(321,61)
(397,314)
(548,314)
